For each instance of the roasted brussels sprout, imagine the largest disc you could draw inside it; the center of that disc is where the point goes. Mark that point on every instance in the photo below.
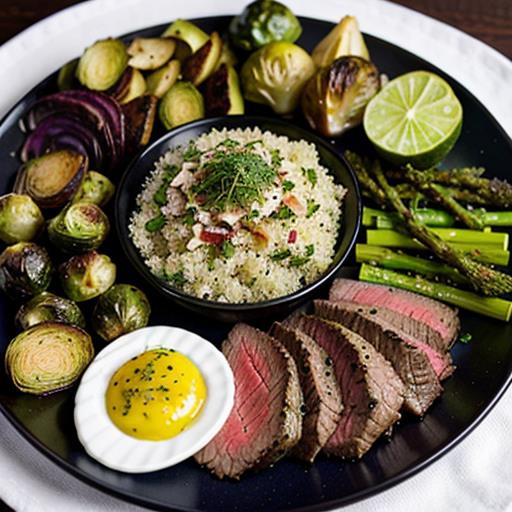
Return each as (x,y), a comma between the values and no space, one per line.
(48,357)
(86,276)
(275,75)
(95,188)
(25,270)
(66,78)
(161,80)
(334,99)
(188,33)
(222,93)
(121,309)
(21,219)
(102,64)
(344,39)
(263,22)
(47,307)
(51,180)
(150,53)
(78,228)
(202,63)
(181,104)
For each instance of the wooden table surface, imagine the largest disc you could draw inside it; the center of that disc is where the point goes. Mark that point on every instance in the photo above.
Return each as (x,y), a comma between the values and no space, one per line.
(488,20)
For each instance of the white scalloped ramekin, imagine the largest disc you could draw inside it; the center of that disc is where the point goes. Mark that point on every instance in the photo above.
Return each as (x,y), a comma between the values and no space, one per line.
(104,442)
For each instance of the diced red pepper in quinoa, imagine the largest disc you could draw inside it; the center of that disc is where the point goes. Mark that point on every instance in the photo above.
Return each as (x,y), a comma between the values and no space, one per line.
(292,236)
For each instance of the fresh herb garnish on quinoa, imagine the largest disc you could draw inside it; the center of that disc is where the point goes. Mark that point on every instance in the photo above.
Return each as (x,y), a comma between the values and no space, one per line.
(235,179)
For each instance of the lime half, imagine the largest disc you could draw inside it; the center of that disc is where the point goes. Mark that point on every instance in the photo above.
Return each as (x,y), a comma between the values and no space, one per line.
(416,118)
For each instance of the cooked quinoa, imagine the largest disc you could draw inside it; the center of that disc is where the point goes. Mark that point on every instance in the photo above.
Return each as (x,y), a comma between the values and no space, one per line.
(238,216)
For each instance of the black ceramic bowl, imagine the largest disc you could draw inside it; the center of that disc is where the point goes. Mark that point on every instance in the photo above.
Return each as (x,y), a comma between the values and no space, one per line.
(133,179)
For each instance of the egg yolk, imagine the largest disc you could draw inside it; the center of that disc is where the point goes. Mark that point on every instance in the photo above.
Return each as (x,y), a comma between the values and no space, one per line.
(155,395)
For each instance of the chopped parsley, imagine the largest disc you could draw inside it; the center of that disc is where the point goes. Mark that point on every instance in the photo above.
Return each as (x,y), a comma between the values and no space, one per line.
(288,185)
(310,175)
(280,255)
(284,213)
(227,249)
(192,154)
(189,216)
(312,208)
(276,158)
(160,196)
(253,143)
(156,223)
(235,179)
(253,214)
(228,143)
(177,279)
(212,255)
(298,261)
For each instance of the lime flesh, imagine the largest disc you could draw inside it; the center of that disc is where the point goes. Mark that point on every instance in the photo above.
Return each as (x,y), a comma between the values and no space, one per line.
(416,119)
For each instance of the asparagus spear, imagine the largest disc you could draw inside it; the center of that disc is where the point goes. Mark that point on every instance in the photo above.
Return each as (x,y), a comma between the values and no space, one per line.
(370,188)
(441,195)
(407,191)
(399,261)
(446,176)
(483,278)
(489,306)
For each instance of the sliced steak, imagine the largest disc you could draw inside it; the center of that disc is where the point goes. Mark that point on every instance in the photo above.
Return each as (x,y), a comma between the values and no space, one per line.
(409,361)
(372,393)
(440,360)
(266,418)
(437,315)
(322,394)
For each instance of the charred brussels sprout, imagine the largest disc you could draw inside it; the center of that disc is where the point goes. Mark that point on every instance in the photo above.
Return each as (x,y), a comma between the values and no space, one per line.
(51,180)
(121,309)
(334,99)
(21,219)
(48,357)
(25,270)
(95,188)
(79,227)
(102,64)
(181,104)
(275,75)
(263,22)
(47,307)
(86,276)
(344,39)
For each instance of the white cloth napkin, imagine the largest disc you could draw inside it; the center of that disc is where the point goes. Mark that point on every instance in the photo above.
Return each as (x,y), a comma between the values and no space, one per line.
(476,476)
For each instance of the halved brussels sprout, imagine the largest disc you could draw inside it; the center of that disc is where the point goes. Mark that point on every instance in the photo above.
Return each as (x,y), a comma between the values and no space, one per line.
(275,75)
(47,307)
(66,77)
(86,276)
(263,22)
(335,98)
(52,180)
(201,64)
(121,309)
(150,53)
(79,227)
(25,270)
(222,93)
(95,188)
(188,33)
(140,118)
(344,39)
(181,104)
(102,64)
(161,80)
(48,357)
(21,219)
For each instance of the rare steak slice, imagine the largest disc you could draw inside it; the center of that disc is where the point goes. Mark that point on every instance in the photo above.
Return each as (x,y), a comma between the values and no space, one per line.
(372,393)
(322,394)
(409,360)
(266,418)
(438,316)
(342,311)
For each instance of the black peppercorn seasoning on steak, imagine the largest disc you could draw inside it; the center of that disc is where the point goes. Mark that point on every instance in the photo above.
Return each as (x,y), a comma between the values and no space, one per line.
(436,315)
(322,394)
(266,419)
(372,393)
(409,361)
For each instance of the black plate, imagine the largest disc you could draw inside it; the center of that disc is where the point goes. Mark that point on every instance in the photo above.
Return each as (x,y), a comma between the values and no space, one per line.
(135,175)
(484,365)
